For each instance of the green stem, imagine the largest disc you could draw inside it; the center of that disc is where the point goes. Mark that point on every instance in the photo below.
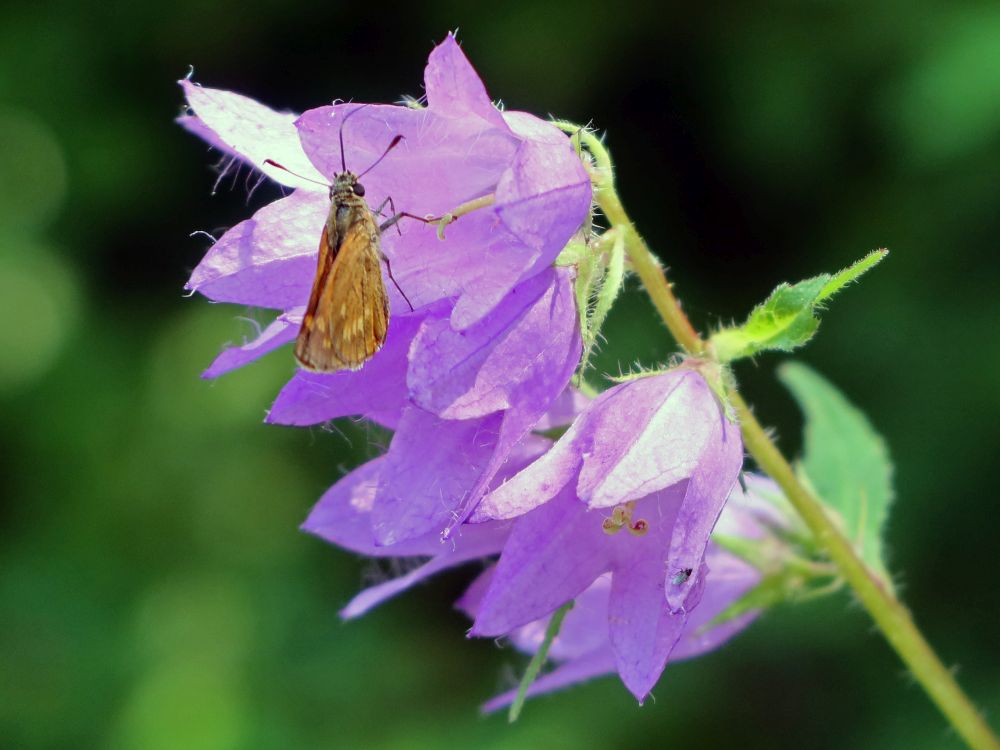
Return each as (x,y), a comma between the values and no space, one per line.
(889,614)
(535,665)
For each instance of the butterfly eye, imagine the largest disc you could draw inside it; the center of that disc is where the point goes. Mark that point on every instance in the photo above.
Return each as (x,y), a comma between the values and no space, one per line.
(359,189)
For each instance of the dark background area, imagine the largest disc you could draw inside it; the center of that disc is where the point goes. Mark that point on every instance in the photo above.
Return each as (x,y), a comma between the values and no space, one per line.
(154,589)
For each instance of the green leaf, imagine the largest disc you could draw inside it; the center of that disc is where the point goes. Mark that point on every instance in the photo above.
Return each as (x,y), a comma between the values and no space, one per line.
(787,319)
(845,461)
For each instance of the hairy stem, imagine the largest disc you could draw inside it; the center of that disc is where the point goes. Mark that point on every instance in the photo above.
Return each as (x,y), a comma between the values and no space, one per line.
(888,612)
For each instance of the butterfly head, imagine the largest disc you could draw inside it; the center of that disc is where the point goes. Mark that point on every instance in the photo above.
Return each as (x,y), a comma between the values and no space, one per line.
(346,184)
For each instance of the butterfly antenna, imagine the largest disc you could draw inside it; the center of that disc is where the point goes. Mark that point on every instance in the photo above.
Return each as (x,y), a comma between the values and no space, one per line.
(343,162)
(390,147)
(273,163)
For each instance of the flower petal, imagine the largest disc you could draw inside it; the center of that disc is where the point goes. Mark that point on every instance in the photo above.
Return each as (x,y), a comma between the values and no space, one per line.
(728,579)
(642,634)
(240,126)
(563,410)
(572,672)
(439,163)
(282,330)
(545,196)
(534,486)
(378,387)
(343,515)
(707,490)
(584,629)
(553,554)
(453,87)
(269,260)
(432,466)
(653,433)
(438,270)
(499,362)
(470,543)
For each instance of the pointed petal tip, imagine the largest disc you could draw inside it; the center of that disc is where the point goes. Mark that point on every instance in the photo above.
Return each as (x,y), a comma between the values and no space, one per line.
(350,612)
(346,614)
(640,688)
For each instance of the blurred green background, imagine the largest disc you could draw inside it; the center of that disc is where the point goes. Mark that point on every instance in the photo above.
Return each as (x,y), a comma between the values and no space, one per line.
(154,589)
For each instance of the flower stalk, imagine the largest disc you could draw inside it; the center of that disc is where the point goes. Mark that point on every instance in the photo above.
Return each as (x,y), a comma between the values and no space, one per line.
(538,661)
(889,613)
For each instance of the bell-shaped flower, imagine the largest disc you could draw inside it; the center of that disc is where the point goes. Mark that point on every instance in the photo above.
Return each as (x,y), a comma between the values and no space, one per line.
(633,488)
(493,336)
(582,648)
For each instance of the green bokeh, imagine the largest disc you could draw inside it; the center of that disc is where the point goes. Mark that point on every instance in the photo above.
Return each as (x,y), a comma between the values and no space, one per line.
(154,589)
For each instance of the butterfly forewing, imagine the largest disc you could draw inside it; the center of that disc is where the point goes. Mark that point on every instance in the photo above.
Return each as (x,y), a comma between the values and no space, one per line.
(348,312)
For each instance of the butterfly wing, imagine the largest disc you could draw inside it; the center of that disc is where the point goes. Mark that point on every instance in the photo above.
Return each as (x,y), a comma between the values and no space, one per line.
(348,313)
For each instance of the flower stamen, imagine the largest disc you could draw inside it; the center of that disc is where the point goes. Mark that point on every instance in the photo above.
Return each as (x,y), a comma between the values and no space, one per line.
(621,518)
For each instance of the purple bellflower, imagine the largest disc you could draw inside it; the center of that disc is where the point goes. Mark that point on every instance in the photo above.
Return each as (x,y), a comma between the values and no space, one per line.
(582,649)
(493,337)
(633,488)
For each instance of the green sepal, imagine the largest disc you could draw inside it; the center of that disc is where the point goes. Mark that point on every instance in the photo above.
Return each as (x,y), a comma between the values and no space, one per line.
(600,275)
(845,461)
(786,575)
(788,318)
(606,294)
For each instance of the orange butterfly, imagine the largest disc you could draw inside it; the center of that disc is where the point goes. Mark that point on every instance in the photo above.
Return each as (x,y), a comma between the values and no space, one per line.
(347,317)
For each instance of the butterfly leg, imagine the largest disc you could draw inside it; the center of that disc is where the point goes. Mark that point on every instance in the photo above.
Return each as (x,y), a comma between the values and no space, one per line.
(393,220)
(388,268)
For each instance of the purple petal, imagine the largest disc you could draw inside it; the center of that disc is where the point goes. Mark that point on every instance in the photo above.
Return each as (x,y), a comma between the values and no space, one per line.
(652,432)
(577,670)
(471,599)
(642,634)
(534,486)
(704,500)
(584,629)
(525,350)
(441,468)
(471,543)
(378,387)
(269,260)
(281,331)
(343,515)
(439,164)
(478,263)
(547,476)
(761,507)
(563,410)
(728,579)
(553,554)
(515,425)
(431,467)
(453,87)
(240,126)
(545,196)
